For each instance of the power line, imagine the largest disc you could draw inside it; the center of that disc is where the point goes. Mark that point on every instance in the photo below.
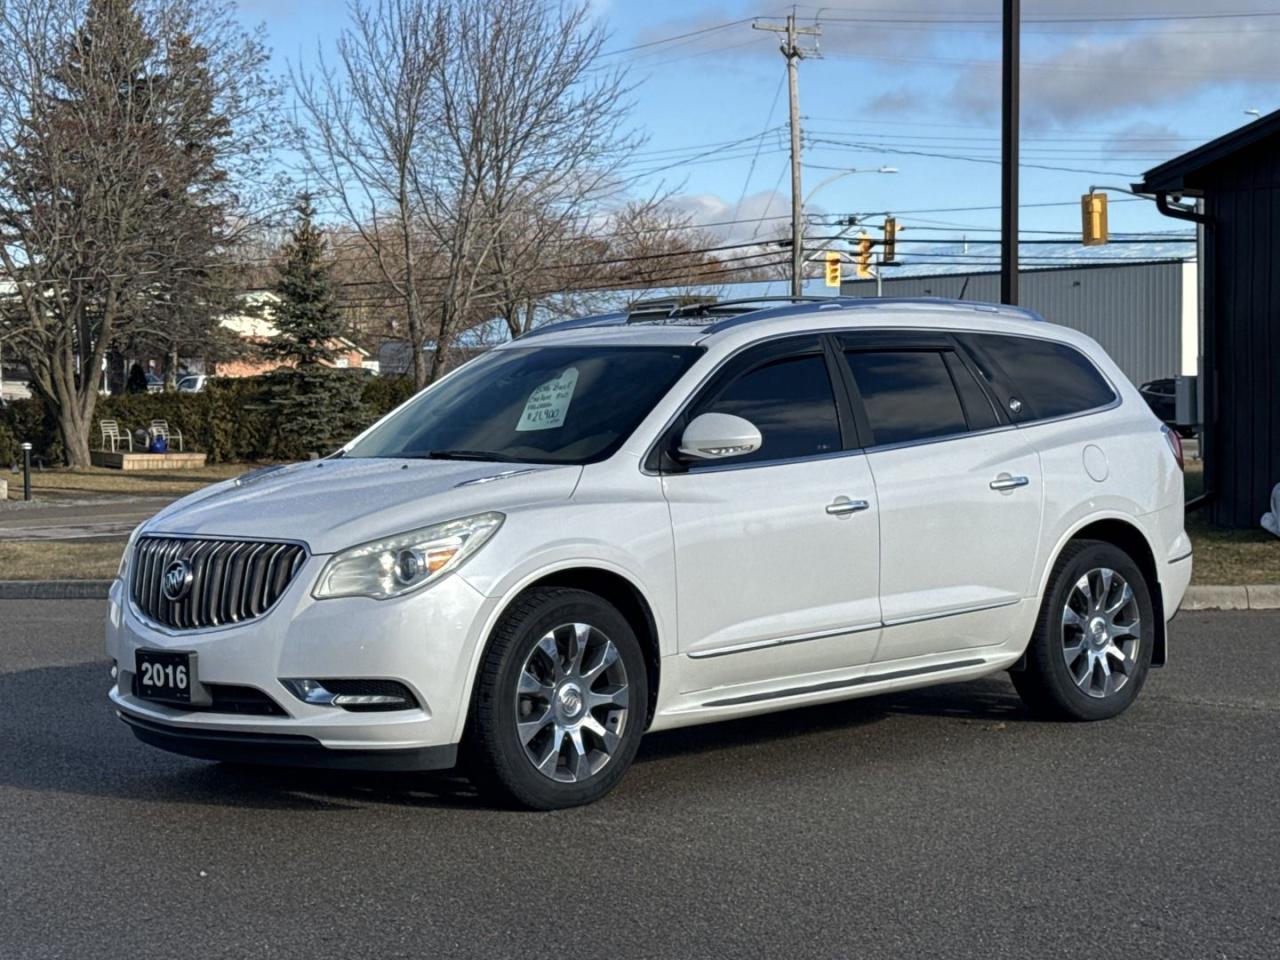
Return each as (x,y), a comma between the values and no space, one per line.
(879,148)
(678,36)
(1125,18)
(737,207)
(777,183)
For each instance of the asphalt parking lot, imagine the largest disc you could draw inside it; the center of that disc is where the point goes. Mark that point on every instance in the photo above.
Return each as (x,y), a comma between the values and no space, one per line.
(940,823)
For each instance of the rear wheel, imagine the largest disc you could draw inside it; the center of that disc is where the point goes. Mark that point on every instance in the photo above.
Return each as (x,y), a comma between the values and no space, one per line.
(1091,649)
(560,701)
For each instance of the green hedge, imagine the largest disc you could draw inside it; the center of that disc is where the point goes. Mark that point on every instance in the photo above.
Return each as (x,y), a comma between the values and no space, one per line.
(231,420)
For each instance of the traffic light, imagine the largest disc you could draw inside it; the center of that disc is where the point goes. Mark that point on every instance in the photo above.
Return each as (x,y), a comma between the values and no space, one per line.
(1093,219)
(833,268)
(863,257)
(890,240)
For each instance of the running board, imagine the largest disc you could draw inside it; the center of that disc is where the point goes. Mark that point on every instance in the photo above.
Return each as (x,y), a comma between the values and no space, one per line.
(841,684)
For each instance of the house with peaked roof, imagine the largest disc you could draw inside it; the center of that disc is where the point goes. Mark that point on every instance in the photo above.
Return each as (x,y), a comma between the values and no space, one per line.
(253,325)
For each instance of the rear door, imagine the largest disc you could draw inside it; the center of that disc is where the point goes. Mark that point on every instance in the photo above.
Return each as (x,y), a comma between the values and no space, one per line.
(776,551)
(959,491)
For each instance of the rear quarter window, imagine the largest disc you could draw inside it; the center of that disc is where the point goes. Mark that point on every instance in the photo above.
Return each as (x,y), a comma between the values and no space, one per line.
(1051,379)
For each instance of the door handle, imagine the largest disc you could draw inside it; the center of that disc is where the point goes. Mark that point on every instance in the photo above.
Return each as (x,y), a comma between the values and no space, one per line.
(1006,482)
(841,506)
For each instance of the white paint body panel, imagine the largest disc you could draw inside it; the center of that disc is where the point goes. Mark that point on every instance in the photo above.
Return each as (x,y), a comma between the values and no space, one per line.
(760,600)
(761,563)
(950,546)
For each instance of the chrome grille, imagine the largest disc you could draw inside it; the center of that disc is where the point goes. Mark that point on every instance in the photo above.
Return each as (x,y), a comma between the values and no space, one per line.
(231,580)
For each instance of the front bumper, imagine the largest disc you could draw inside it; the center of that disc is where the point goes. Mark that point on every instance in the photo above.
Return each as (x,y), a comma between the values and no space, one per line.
(427,641)
(284,749)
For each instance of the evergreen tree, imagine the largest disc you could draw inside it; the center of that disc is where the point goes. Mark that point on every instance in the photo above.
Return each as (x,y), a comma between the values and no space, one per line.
(307,316)
(316,407)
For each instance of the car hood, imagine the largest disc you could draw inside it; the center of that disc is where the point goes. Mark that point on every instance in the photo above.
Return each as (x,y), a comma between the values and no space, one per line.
(334,504)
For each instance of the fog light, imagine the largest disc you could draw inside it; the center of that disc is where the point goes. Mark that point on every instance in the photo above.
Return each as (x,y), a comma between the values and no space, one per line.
(310,691)
(351,694)
(115,670)
(366,700)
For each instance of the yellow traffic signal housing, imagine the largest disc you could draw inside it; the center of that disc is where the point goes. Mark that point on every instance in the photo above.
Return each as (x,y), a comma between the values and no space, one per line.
(889,250)
(1093,219)
(863,257)
(833,268)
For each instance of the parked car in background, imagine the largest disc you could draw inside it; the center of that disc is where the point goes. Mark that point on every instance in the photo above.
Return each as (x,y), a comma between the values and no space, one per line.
(192,383)
(1161,398)
(155,383)
(621,524)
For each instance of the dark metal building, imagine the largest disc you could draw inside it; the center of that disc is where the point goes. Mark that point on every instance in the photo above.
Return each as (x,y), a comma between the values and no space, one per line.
(1231,188)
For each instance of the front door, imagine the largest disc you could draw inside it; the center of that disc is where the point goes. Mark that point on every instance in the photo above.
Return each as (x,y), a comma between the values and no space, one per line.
(776,551)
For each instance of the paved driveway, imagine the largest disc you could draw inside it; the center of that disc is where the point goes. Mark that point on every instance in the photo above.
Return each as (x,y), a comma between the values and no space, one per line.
(941,823)
(97,518)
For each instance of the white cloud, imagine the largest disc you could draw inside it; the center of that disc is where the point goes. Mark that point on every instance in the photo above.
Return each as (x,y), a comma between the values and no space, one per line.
(762,215)
(1099,63)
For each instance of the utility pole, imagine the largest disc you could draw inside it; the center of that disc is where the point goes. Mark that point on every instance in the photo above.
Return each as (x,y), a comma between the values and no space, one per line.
(1010,102)
(793,54)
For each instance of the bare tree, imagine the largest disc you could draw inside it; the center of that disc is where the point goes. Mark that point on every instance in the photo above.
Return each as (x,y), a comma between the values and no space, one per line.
(446,128)
(123,127)
(362,127)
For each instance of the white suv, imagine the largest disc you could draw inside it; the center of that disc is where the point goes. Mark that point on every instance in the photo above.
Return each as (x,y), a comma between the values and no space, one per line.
(631,523)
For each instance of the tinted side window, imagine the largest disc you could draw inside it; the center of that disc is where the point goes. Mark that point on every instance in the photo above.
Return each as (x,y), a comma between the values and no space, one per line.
(907,394)
(977,405)
(1053,379)
(790,401)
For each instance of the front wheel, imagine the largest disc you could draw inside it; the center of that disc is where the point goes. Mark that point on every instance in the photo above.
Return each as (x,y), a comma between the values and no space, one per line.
(1091,649)
(560,701)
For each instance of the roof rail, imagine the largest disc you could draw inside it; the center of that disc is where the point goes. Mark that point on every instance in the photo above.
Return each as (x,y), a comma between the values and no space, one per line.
(736,306)
(660,308)
(753,309)
(872,303)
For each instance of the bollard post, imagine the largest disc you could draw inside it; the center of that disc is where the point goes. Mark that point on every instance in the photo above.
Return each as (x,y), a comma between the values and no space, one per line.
(26,471)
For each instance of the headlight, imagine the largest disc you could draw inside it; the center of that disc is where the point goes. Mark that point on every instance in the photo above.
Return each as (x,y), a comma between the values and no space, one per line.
(128,549)
(397,565)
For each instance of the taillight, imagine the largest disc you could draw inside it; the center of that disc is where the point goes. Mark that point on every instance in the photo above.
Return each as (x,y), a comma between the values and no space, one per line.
(1175,444)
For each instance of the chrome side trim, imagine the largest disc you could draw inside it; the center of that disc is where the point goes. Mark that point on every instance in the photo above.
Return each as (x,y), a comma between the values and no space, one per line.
(827,634)
(978,608)
(780,641)
(504,475)
(842,684)
(714,467)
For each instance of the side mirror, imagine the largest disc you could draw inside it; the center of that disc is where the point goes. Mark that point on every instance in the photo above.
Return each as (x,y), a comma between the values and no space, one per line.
(718,436)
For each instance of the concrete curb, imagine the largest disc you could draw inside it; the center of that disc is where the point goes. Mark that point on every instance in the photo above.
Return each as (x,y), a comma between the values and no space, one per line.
(54,589)
(1261,596)
(1265,596)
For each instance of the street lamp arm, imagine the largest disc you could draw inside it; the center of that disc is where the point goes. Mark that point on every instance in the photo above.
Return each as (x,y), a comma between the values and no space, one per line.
(841,174)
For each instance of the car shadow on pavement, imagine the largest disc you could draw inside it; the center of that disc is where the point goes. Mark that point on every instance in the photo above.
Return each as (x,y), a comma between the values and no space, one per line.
(991,700)
(61,735)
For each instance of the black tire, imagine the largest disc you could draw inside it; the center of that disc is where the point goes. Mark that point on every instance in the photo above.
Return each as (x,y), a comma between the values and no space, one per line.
(1048,685)
(497,761)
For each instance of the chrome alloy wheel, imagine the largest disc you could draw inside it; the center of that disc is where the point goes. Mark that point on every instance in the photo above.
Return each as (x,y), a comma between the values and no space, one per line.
(1101,632)
(572,703)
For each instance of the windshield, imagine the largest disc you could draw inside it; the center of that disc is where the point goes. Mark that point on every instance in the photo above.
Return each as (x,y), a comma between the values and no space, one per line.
(538,404)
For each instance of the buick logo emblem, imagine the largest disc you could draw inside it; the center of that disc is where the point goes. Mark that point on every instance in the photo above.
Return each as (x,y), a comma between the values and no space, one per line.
(177,580)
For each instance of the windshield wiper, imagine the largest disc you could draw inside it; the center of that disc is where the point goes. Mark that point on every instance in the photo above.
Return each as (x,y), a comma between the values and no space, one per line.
(466,455)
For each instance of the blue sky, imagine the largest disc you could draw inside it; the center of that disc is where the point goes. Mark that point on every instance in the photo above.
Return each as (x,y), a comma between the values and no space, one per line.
(1111,88)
